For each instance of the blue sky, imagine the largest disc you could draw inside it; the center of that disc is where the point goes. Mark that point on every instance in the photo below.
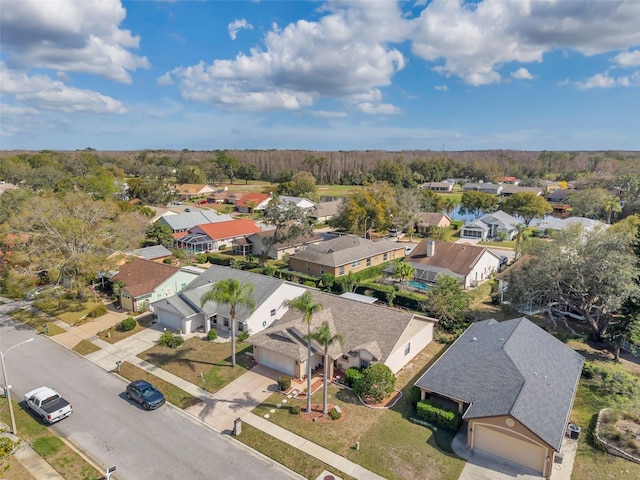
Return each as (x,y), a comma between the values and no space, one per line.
(321,75)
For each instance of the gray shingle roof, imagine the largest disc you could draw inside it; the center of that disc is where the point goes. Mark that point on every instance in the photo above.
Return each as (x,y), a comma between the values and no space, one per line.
(187,300)
(368,327)
(150,253)
(510,368)
(185,221)
(345,249)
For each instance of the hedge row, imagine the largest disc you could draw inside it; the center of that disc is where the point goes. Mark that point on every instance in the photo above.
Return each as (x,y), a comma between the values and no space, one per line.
(439,416)
(402,299)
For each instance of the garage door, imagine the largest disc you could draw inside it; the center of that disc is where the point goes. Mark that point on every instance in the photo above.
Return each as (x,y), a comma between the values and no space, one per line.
(277,361)
(169,319)
(511,448)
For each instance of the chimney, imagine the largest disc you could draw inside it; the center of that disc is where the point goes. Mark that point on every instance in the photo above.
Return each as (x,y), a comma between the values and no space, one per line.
(431,248)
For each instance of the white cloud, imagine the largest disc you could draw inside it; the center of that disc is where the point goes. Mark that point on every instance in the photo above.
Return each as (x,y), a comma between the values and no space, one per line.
(42,92)
(604,80)
(165,79)
(628,59)
(13,110)
(344,55)
(522,74)
(381,108)
(474,42)
(441,88)
(70,36)
(327,114)
(236,25)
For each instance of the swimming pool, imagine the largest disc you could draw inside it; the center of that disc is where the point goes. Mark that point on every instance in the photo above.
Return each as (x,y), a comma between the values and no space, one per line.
(419,285)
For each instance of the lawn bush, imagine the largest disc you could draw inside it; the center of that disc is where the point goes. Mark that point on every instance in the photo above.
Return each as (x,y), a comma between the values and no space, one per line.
(352,376)
(98,311)
(171,340)
(439,416)
(167,260)
(414,395)
(242,337)
(335,413)
(377,382)
(128,324)
(284,382)
(201,258)
(620,383)
(212,334)
(295,410)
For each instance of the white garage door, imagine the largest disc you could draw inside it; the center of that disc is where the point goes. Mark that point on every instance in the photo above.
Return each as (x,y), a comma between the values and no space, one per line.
(514,449)
(169,319)
(277,361)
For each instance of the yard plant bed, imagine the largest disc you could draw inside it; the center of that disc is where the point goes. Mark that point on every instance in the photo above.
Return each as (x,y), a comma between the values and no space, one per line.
(203,363)
(390,445)
(621,429)
(115,333)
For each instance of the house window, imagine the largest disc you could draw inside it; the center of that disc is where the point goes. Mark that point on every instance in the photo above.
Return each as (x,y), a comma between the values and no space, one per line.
(273,312)
(341,271)
(385,256)
(407,348)
(321,270)
(214,320)
(226,322)
(240,327)
(355,264)
(364,363)
(368,262)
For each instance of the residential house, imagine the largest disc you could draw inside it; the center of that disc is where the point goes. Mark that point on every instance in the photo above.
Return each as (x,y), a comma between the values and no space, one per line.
(325,211)
(469,264)
(491,226)
(432,219)
(210,237)
(225,196)
(183,311)
(156,253)
(485,187)
(508,180)
(509,190)
(144,282)
(255,245)
(252,202)
(188,191)
(559,224)
(344,254)
(372,334)
(300,202)
(514,385)
(442,187)
(559,195)
(186,221)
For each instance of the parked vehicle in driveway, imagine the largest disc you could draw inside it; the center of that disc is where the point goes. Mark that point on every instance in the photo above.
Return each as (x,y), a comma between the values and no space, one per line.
(47,404)
(145,394)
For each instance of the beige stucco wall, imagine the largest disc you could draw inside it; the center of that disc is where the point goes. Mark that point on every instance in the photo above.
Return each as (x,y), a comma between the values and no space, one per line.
(417,335)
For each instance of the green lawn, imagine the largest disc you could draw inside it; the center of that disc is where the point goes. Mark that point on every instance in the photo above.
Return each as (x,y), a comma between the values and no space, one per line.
(37,321)
(390,445)
(70,311)
(173,394)
(85,347)
(203,363)
(60,456)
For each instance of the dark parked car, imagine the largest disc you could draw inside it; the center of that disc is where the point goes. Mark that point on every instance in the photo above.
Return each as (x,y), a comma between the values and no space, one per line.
(145,394)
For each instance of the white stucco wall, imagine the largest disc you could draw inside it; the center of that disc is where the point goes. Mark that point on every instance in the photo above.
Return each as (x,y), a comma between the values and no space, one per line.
(417,335)
(483,269)
(262,318)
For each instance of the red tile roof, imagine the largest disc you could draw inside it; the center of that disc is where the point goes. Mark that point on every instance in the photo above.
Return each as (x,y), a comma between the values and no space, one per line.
(229,229)
(252,197)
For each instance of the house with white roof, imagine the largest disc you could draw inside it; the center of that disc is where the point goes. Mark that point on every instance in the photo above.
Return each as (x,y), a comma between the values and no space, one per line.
(490,225)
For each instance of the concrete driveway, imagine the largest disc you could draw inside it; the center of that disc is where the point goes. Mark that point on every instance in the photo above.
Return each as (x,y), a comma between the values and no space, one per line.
(237,399)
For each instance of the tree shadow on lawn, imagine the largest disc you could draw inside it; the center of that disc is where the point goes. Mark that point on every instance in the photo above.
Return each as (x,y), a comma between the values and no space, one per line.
(190,358)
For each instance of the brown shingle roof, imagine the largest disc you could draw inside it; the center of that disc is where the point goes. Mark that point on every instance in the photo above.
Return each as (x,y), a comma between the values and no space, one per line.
(457,257)
(141,276)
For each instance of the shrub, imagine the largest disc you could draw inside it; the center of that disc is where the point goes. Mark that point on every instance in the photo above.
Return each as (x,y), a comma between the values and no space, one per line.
(171,340)
(284,382)
(309,283)
(589,370)
(442,417)
(128,324)
(352,376)
(295,410)
(335,413)
(620,383)
(377,382)
(212,334)
(201,258)
(414,395)
(167,261)
(98,311)
(242,337)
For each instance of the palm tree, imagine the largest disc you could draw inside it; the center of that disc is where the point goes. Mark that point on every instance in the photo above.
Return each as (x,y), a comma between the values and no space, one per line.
(520,232)
(403,271)
(450,205)
(323,337)
(233,293)
(304,304)
(611,206)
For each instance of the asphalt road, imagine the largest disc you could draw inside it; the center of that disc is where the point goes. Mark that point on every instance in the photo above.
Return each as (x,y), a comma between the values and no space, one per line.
(160,444)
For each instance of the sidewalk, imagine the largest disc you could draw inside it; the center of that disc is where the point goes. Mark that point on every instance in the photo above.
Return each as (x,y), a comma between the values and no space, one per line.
(219,410)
